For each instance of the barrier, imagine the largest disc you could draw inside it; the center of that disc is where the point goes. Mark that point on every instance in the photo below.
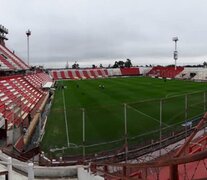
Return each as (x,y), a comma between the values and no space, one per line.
(173,116)
(30,170)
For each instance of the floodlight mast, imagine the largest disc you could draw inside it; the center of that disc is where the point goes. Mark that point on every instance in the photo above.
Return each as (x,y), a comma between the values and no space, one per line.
(28,33)
(175,52)
(3,32)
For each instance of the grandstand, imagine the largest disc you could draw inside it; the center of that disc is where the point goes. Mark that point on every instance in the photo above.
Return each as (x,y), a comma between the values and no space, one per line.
(9,61)
(157,71)
(172,148)
(165,72)
(79,74)
(93,73)
(21,96)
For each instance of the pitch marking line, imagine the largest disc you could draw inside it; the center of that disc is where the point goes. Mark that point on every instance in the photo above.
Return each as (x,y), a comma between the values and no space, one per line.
(157,120)
(65,114)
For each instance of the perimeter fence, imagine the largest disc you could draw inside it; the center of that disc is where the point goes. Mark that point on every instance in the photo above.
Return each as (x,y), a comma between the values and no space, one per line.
(115,129)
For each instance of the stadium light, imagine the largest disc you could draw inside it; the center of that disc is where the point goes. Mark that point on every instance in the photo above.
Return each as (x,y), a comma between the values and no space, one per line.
(28,33)
(175,51)
(3,32)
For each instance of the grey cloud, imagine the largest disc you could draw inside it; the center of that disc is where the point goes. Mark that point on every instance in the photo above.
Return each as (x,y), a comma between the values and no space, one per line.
(86,30)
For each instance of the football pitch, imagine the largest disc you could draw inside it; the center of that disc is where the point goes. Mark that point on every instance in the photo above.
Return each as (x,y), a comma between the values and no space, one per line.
(102,106)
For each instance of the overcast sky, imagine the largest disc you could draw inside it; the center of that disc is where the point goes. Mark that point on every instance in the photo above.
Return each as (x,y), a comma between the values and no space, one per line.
(102,31)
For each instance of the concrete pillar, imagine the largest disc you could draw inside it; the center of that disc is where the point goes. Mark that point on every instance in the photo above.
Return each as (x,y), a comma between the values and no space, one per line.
(9,167)
(30,171)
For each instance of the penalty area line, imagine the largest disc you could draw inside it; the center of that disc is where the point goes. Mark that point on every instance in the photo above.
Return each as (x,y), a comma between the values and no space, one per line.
(157,120)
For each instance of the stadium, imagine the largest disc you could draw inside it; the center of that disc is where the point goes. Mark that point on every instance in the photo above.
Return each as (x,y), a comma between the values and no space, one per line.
(101,123)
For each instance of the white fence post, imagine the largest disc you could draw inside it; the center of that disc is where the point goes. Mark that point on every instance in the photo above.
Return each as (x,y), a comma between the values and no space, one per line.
(161,114)
(83,118)
(204,101)
(9,167)
(125,132)
(30,171)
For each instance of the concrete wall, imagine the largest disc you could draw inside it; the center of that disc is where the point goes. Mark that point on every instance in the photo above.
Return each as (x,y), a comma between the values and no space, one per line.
(41,171)
(85,175)
(9,136)
(114,72)
(62,171)
(13,135)
(144,70)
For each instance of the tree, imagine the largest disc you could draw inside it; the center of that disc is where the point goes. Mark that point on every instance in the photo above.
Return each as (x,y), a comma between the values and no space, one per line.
(120,64)
(128,63)
(205,64)
(115,65)
(75,66)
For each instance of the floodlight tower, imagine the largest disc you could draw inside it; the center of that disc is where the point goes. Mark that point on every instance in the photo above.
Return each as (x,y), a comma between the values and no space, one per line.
(175,52)
(3,31)
(28,33)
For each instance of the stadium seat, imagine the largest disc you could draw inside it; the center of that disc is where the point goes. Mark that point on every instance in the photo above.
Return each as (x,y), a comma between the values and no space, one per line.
(5,64)
(70,74)
(89,74)
(62,74)
(129,71)
(165,72)
(54,75)
(74,74)
(77,72)
(81,74)
(18,97)
(92,72)
(16,62)
(85,73)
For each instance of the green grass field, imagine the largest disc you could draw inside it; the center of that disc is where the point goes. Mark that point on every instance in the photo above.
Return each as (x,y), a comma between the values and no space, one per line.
(104,109)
